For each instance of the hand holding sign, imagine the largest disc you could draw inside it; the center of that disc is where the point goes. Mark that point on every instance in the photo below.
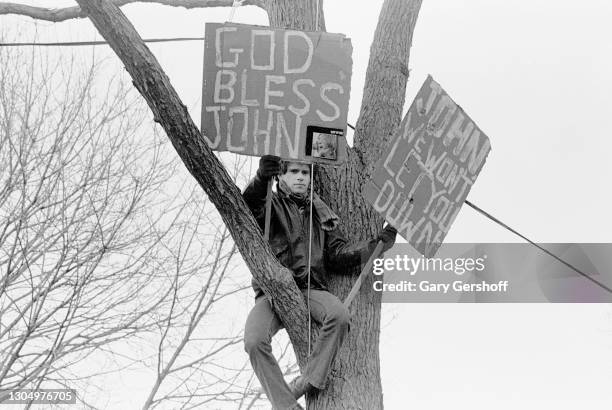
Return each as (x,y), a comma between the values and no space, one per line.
(384,241)
(387,237)
(269,167)
(267,91)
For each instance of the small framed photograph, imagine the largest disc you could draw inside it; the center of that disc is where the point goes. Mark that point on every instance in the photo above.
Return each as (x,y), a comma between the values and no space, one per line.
(322,142)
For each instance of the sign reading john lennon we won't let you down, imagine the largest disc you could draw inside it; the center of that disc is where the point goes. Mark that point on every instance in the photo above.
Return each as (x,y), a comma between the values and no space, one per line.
(274,91)
(431,163)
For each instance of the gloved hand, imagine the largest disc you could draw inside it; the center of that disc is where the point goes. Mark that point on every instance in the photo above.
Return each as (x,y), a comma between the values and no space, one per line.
(388,237)
(269,166)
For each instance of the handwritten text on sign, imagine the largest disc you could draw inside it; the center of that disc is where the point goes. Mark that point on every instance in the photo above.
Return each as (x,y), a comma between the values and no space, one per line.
(263,87)
(432,162)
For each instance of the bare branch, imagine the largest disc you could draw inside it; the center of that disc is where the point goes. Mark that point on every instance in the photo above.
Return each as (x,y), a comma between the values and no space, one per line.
(68,13)
(87,220)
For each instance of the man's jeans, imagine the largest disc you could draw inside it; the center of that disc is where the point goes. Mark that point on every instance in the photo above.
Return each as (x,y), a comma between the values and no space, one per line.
(262,323)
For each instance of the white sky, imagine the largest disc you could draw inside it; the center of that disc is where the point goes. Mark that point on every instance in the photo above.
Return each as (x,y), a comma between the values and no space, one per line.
(535,76)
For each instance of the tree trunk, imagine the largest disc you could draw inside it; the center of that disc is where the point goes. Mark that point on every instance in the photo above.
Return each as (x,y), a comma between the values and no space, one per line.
(355,379)
(356,382)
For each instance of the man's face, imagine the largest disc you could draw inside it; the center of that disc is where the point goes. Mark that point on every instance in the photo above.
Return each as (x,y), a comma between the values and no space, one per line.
(297,177)
(321,146)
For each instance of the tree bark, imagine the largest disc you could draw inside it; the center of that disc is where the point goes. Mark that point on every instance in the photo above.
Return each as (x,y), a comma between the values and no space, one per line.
(297,15)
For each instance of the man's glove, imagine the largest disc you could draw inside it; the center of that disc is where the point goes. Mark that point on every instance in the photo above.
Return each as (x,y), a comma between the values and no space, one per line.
(269,166)
(387,236)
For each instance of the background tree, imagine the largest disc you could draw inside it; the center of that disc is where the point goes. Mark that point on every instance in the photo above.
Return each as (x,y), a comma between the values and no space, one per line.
(355,381)
(106,255)
(75,240)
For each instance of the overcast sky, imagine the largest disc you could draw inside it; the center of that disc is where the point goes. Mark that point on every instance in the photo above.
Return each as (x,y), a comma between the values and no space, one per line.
(535,76)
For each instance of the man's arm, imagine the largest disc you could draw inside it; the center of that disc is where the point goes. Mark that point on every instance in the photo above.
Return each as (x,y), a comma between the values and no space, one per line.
(255,193)
(255,197)
(341,255)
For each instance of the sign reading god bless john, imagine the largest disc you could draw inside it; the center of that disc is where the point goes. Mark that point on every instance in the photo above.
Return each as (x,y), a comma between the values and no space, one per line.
(277,92)
(431,163)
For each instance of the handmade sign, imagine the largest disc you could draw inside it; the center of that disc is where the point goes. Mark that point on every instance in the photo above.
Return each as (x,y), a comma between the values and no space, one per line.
(277,92)
(431,163)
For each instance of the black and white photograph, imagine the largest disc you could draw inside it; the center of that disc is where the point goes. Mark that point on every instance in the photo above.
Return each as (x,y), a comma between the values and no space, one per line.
(305,204)
(324,145)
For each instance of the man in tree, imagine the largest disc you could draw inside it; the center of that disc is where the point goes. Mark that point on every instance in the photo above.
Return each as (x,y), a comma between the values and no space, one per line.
(323,251)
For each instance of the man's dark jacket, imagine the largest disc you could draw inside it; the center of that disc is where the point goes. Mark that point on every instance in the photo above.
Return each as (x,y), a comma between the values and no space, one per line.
(289,238)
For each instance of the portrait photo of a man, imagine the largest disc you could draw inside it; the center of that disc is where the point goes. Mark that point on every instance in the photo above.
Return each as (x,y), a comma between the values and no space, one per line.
(324,145)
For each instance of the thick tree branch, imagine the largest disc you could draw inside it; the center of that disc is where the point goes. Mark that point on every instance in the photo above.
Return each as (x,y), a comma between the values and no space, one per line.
(386,78)
(297,15)
(155,87)
(67,13)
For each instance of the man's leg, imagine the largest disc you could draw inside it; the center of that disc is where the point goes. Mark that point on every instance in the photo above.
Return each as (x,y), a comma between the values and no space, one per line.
(327,310)
(262,323)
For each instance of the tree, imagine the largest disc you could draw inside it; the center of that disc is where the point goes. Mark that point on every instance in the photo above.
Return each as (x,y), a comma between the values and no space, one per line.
(355,381)
(75,239)
(97,249)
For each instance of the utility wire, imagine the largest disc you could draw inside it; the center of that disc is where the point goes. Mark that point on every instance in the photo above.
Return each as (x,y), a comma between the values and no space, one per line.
(497,221)
(98,43)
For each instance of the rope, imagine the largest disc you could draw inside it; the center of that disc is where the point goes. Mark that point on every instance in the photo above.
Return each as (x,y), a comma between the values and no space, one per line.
(310,249)
(235,5)
(497,221)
